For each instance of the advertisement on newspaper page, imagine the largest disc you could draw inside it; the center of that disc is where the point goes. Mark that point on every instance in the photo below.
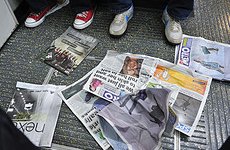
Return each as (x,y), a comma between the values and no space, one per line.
(155,83)
(86,106)
(30,111)
(110,82)
(204,56)
(190,101)
(68,51)
(172,118)
(182,105)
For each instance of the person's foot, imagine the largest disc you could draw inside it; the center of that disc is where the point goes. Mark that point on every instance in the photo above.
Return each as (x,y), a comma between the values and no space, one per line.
(83,19)
(120,22)
(35,19)
(59,5)
(173,30)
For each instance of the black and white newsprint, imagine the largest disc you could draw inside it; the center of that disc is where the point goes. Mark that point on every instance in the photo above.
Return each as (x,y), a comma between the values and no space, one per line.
(204,56)
(122,73)
(34,110)
(86,106)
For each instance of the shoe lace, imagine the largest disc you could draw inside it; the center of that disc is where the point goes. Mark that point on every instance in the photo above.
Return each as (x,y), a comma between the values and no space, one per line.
(119,18)
(83,14)
(175,25)
(38,14)
(34,14)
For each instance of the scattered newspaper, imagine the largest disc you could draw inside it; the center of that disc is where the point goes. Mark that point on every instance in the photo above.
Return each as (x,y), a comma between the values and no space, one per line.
(121,73)
(69,50)
(155,83)
(30,111)
(204,56)
(86,107)
(136,121)
(118,74)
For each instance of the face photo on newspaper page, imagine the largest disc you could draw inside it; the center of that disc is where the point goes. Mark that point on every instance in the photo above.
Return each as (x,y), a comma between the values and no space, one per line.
(131,66)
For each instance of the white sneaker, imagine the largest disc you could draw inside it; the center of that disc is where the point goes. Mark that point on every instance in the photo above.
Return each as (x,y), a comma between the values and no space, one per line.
(173,30)
(120,22)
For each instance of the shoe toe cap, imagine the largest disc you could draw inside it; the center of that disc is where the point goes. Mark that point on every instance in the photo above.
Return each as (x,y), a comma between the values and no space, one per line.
(78,22)
(116,28)
(30,20)
(174,38)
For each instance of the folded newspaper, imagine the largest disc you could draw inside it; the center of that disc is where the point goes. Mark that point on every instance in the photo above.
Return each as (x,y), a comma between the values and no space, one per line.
(69,50)
(204,56)
(30,111)
(122,73)
(86,107)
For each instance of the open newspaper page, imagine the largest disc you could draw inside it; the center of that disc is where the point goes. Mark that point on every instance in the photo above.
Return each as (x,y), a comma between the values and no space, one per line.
(118,74)
(172,118)
(190,101)
(30,111)
(68,51)
(155,83)
(204,56)
(85,106)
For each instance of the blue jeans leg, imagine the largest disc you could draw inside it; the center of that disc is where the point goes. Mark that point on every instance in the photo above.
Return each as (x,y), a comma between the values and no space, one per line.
(180,9)
(119,6)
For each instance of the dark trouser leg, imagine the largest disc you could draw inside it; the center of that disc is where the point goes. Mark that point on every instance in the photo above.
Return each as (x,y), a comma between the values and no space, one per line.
(225,145)
(38,5)
(119,6)
(10,137)
(81,5)
(180,9)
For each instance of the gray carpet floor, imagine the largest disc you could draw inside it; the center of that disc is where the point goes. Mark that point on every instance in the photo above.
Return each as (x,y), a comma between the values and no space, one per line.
(20,61)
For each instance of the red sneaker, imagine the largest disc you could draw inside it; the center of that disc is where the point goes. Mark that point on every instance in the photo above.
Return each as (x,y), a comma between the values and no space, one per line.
(83,19)
(33,20)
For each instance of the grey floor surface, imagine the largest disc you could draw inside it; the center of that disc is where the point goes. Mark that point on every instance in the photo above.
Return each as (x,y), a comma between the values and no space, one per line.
(20,61)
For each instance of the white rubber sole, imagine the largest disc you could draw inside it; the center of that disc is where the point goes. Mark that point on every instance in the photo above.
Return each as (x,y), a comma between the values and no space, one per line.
(83,26)
(173,41)
(35,24)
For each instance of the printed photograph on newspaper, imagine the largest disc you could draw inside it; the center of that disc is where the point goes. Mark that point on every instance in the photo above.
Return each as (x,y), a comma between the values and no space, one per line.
(193,92)
(86,106)
(120,73)
(183,80)
(110,81)
(155,83)
(173,118)
(109,84)
(204,56)
(30,111)
(69,50)
(185,107)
